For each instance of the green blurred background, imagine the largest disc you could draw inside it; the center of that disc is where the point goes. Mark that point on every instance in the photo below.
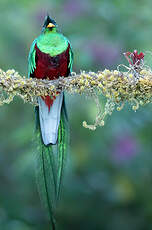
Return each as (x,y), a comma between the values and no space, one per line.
(108,181)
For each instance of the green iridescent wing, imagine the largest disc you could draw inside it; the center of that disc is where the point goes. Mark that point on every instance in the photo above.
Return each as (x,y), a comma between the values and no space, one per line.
(31,59)
(71,58)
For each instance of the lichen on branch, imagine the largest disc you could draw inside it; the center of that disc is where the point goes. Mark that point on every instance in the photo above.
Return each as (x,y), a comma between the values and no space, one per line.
(134,87)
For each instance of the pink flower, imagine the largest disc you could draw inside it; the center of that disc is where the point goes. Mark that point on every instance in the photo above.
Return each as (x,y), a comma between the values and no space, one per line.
(134,58)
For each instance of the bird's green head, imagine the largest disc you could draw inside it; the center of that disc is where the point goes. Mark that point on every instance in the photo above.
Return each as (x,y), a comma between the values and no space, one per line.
(49,25)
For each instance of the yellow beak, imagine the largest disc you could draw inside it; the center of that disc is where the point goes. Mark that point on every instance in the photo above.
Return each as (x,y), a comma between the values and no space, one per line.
(50,25)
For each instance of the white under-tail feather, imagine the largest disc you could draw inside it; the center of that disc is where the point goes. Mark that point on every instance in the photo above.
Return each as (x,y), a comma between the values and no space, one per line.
(49,120)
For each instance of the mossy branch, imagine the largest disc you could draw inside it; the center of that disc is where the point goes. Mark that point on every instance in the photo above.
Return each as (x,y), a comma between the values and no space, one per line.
(134,87)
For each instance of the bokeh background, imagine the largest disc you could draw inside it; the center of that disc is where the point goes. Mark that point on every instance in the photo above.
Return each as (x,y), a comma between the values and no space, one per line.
(108,181)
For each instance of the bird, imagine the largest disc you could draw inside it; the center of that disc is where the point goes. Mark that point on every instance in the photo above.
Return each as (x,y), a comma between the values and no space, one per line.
(51,57)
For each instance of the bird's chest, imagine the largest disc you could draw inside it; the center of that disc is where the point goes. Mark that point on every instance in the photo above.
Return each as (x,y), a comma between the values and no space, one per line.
(51,67)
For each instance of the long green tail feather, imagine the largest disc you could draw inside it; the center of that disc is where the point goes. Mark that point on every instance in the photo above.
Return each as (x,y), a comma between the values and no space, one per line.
(62,147)
(47,186)
(50,165)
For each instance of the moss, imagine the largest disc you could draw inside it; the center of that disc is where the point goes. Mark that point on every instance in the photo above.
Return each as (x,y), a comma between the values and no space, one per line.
(117,87)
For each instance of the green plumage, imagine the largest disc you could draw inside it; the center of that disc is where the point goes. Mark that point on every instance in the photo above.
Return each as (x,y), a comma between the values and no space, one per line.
(62,147)
(31,59)
(52,43)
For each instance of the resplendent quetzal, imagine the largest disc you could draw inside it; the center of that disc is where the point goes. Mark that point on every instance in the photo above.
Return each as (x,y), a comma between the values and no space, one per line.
(50,57)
